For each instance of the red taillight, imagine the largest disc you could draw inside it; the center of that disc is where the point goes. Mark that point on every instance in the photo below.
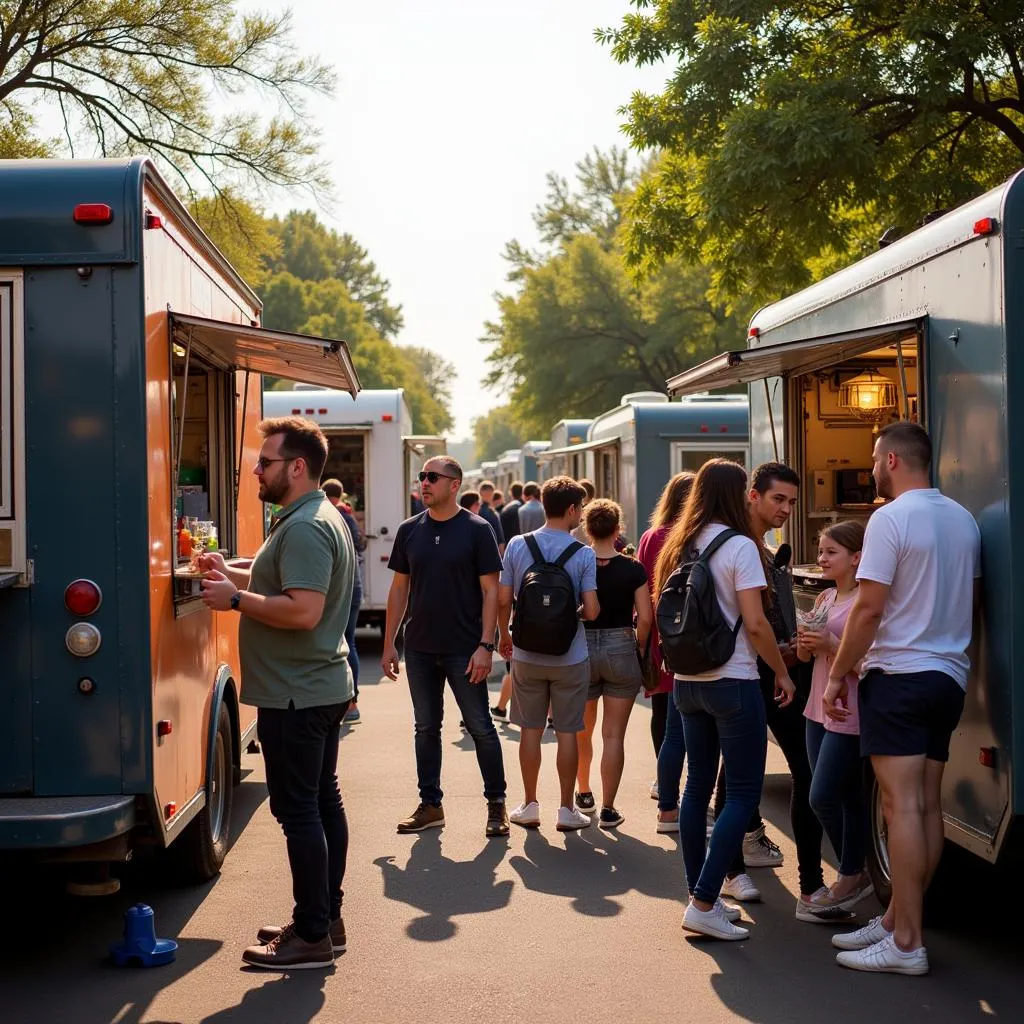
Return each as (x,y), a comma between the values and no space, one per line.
(170,810)
(82,597)
(153,221)
(93,213)
(387,418)
(985,226)
(296,412)
(754,332)
(164,727)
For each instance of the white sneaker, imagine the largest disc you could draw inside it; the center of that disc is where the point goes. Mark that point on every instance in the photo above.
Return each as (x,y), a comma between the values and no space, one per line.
(861,893)
(526,815)
(741,888)
(885,957)
(713,923)
(654,790)
(667,828)
(570,819)
(820,908)
(759,851)
(873,932)
(731,913)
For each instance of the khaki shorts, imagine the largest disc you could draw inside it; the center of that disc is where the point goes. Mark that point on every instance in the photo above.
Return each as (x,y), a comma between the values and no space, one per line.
(536,687)
(614,665)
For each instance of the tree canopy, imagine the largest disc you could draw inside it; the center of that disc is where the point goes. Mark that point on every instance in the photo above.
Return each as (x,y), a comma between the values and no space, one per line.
(577,331)
(495,432)
(794,131)
(215,97)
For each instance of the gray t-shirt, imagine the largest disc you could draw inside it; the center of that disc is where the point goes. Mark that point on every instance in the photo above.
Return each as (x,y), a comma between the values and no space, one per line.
(582,570)
(531,516)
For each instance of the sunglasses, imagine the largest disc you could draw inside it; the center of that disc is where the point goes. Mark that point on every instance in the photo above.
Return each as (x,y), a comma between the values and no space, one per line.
(262,463)
(434,477)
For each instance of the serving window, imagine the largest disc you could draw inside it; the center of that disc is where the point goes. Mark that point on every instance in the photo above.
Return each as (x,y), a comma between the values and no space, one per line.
(202,439)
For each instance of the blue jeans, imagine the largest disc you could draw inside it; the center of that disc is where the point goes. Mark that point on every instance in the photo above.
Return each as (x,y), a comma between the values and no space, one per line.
(837,794)
(671,755)
(727,715)
(300,752)
(427,674)
(350,639)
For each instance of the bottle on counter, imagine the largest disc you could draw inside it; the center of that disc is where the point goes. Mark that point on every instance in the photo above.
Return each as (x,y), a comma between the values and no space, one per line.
(211,540)
(184,542)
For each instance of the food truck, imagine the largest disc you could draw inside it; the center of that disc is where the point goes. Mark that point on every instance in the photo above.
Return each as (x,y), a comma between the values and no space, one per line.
(376,456)
(632,450)
(519,464)
(130,391)
(564,434)
(926,329)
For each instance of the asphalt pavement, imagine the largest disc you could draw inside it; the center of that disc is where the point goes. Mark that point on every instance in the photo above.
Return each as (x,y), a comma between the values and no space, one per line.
(450,926)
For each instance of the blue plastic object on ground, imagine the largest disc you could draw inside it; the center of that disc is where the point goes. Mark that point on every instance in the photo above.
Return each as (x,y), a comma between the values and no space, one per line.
(140,944)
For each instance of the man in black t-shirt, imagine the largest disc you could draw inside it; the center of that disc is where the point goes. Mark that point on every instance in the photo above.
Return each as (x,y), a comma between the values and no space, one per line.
(488,513)
(446,566)
(510,512)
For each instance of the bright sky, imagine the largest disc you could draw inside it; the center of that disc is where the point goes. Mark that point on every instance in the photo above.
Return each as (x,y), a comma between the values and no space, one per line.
(447,116)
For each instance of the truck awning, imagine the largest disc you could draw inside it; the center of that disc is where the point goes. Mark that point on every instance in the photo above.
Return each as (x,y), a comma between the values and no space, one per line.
(572,449)
(297,357)
(789,359)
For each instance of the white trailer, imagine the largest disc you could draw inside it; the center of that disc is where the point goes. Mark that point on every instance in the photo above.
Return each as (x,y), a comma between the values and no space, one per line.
(375,455)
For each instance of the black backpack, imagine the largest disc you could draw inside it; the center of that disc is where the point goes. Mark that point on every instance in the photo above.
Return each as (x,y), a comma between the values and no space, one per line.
(695,637)
(546,619)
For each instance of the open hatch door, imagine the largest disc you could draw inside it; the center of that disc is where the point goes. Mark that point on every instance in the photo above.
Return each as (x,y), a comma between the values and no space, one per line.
(297,357)
(788,359)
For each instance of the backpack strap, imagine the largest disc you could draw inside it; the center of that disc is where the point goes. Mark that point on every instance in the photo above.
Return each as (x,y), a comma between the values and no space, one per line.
(725,535)
(531,543)
(567,554)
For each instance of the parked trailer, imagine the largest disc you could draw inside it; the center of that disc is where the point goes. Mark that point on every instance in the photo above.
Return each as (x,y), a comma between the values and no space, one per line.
(376,456)
(129,394)
(633,449)
(939,316)
(565,434)
(519,464)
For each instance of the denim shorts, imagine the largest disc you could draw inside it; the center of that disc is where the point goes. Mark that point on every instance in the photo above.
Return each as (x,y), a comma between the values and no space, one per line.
(614,665)
(908,714)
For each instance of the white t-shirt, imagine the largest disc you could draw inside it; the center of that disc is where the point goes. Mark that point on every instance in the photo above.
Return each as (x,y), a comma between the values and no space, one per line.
(927,549)
(736,565)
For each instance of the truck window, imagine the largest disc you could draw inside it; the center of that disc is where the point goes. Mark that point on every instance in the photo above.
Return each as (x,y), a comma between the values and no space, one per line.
(203,450)
(346,461)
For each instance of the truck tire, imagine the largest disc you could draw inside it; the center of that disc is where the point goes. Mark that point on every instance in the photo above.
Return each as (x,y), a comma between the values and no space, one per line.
(203,845)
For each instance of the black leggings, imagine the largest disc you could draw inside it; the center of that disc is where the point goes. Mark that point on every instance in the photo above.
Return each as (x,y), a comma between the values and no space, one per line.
(787,726)
(659,714)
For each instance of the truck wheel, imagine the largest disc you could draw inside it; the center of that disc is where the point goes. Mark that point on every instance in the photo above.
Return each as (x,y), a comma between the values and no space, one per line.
(878,838)
(203,845)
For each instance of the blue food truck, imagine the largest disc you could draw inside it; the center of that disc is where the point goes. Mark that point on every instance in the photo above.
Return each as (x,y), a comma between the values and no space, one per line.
(631,451)
(926,329)
(130,391)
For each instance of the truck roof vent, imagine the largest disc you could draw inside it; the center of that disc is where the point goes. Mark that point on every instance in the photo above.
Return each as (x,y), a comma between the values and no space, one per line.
(643,396)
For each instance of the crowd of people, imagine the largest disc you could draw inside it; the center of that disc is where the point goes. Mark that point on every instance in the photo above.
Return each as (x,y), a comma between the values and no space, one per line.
(702,621)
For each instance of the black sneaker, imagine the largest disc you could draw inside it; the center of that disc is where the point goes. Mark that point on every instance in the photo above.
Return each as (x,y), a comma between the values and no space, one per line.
(585,802)
(610,818)
(501,714)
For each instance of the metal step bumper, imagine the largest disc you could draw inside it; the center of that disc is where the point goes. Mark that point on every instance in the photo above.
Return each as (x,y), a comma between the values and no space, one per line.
(48,822)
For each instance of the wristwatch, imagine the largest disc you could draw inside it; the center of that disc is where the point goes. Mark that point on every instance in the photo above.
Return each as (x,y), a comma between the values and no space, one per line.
(489,648)
(236,600)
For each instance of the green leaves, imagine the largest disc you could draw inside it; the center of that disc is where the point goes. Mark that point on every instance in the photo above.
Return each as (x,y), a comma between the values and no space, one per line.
(785,130)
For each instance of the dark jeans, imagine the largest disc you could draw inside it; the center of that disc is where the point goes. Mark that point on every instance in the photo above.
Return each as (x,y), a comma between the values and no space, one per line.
(427,674)
(670,759)
(660,703)
(837,794)
(787,726)
(726,715)
(300,750)
(350,639)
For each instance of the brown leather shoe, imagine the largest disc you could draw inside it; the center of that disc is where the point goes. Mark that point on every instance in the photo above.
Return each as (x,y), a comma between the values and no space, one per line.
(497,819)
(271,931)
(425,816)
(288,952)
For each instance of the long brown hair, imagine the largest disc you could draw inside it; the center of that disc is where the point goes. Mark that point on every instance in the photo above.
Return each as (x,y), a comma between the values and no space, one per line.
(718,495)
(847,534)
(673,499)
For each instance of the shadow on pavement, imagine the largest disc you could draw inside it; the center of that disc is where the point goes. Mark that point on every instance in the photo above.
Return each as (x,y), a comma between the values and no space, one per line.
(443,888)
(76,932)
(593,867)
(296,998)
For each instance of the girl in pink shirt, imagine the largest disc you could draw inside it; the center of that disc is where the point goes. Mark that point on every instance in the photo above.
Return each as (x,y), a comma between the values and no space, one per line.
(833,747)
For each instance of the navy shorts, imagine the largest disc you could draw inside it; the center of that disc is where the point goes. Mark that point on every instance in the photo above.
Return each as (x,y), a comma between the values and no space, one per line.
(908,714)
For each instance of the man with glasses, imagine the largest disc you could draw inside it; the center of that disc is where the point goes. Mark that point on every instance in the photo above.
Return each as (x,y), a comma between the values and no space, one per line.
(446,566)
(294,600)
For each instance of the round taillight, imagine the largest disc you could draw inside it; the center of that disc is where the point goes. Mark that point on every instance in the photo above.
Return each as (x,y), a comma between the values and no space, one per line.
(82,597)
(82,639)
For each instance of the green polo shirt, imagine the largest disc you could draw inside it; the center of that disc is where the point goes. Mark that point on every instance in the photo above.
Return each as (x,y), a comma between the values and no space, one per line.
(308,548)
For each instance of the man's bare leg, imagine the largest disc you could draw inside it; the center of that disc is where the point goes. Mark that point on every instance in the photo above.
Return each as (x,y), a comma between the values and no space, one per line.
(529,761)
(506,691)
(567,760)
(935,835)
(902,782)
